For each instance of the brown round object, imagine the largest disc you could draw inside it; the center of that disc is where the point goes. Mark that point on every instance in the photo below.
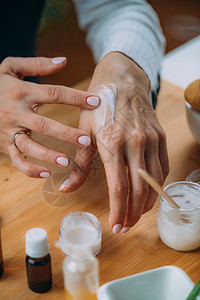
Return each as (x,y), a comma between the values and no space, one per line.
(192,94)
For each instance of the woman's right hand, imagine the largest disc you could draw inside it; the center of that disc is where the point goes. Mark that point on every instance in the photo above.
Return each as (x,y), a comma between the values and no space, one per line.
(19,101)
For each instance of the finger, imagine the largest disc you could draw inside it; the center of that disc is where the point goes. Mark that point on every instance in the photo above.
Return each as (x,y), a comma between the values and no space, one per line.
(153,167)
(163,154)
(80,170)
(52,128)
(32,148)
(82,163)
(55,94)
(118,190)
(26,167)
(32,66)
(139,189)
(4,142)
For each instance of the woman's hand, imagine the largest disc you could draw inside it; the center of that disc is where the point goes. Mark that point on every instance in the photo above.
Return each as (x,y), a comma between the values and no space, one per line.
(19,101)
(132,139)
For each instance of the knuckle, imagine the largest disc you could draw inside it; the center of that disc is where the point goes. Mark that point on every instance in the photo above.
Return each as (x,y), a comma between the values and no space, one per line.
(158,177)
(141,192)
(39,62)
(116,142)
(120,189)
(152,137)
(64,134)
(24,147)
(41,125)
(17,91)
(162,135)
(54,93)
(7,61)
(7,116)
(75,97)
(138,138)
(44,155)
(77,169)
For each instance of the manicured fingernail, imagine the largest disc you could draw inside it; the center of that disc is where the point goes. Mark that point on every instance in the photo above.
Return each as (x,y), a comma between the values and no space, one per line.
(117,228)
(64,184)
(109,219)
(93,101)
(45,175)
(126,229)
(63,161)
(58,60)
(84,140)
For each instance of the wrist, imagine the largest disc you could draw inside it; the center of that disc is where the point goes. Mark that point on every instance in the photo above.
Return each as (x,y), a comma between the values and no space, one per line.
(118,68)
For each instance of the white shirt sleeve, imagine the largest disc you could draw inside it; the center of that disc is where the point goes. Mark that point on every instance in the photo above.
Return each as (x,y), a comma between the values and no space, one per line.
(129,26)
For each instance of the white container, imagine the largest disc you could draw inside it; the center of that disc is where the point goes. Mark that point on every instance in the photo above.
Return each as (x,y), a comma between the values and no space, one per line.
(80,230)
(165,283)
(179,228)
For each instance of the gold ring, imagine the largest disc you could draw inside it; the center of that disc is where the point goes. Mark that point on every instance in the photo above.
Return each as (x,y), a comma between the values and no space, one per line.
(17,134)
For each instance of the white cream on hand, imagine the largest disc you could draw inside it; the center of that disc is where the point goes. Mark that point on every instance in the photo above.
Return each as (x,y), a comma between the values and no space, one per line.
(106,110)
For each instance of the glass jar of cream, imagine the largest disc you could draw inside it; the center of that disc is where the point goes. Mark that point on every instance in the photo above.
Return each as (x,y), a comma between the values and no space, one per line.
(179,228)
(80,230)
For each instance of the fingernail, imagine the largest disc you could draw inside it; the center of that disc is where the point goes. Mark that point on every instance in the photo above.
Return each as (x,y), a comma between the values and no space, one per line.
(64,184)
(117,228)
(63,161)
(58,60)
(93,101)
(84,140)
(126,229)
(45,175)
(109,219)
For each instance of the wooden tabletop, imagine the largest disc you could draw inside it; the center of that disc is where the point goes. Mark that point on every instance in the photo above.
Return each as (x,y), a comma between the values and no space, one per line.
(23,205)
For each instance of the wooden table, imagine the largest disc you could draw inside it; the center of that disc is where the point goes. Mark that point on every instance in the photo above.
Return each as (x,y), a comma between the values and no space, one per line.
(22,206)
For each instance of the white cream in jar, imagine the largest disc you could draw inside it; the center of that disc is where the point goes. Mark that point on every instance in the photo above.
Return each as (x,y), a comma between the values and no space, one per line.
(179,228)
(80,230)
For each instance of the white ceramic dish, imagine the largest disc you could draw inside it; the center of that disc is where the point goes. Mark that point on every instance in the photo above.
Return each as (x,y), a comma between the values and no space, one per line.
(193,118)
(165,283)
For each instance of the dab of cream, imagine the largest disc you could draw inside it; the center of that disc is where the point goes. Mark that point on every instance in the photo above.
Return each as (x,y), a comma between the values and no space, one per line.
(106,110)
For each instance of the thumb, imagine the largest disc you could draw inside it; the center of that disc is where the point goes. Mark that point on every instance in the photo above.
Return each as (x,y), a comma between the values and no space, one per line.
(32,66)
(80,170)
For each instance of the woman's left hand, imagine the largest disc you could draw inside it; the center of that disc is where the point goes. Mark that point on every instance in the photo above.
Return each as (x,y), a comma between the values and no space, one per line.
(133,139)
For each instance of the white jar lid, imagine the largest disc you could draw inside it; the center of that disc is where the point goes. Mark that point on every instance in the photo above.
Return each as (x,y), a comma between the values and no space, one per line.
(36,243)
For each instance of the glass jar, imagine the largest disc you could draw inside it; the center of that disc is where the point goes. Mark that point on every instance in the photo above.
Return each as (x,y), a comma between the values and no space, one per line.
(80,230)
(179,228)
(194,176)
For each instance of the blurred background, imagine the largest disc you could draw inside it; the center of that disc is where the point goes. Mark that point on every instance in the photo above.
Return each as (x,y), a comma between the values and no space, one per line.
(59,34)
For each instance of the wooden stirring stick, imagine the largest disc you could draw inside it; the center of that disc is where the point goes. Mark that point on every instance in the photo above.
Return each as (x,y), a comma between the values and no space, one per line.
(156,187)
